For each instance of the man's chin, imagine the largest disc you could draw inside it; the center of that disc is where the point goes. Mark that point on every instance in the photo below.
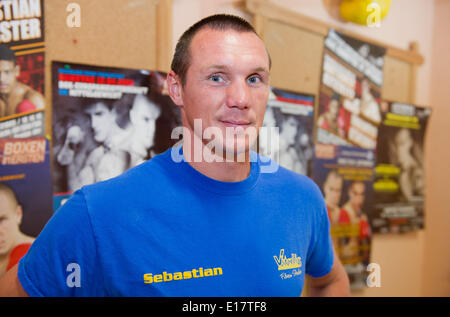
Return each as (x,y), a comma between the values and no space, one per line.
(237,150)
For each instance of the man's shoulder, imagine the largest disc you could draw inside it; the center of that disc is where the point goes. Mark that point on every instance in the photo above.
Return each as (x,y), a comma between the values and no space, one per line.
(287,181)
(147,176)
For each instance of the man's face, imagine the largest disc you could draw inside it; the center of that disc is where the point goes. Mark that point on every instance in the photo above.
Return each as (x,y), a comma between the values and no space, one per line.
(356,195)
(143,115)
(403,140)
(289,131)
(102,121)
(332,190)
(227,85)
(333,107)
(8,74)
(269,118)
(365,88)
(10,217)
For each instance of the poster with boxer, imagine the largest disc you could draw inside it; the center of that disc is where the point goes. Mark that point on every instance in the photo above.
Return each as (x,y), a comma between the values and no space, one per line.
(291,143)
(105,121)
(345,176)
(25,169)
(350,92)
(400,175)
(22,52)
(26,125)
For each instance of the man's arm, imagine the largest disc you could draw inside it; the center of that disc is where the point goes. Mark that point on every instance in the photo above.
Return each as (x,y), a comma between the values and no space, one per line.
(10,285)
(334,284)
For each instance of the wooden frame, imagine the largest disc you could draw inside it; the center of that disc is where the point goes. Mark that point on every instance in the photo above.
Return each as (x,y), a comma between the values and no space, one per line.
(262,9)
(114,33)
(164,34)
(400,65)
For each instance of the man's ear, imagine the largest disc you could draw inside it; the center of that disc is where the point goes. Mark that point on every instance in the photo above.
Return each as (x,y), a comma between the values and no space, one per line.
(175,88)
(19,214)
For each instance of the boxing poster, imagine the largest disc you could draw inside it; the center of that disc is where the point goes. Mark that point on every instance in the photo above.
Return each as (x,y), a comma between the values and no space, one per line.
(105,121)
(21,57)
(400,175)
(345,176)
(290,144)
(26,125)
(25,169)
(350,91)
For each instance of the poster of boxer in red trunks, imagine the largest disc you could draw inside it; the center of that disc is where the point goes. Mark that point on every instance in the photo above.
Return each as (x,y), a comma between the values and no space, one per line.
(345,175)
(21,57)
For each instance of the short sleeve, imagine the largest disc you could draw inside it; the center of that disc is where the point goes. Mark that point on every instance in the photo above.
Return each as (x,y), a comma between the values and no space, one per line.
(63,260)
(320,255)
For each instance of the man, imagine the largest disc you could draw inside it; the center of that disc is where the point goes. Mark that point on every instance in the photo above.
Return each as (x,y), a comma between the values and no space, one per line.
(195,227)
(269,135)
(369,106)
(108,159)
(354,244)
(288,153)
(332,189)
(13,243)
(15,97)
(352,216)
(329,119)
(411,172)
(143,116)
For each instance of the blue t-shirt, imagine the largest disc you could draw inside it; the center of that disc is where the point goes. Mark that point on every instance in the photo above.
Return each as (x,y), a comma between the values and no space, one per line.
(164,229)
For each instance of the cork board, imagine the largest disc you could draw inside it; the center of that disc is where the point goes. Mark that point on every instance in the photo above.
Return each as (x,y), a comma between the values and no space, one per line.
(112,33)
(296,42)
(296,57)
(396,81)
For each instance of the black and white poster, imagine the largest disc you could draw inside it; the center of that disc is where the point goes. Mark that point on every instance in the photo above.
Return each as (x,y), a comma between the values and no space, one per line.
(105,121)
(290,144)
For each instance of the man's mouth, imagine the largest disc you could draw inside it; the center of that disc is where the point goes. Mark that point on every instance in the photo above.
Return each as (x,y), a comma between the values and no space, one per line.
(235,123)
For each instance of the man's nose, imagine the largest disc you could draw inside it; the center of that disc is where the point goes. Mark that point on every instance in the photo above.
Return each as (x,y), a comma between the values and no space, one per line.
(238,94)
(94,122)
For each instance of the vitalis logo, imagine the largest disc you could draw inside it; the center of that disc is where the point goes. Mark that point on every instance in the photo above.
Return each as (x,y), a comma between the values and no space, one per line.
(285,263)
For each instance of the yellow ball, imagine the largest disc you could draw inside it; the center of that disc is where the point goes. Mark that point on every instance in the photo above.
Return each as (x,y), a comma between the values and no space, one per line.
(364,12)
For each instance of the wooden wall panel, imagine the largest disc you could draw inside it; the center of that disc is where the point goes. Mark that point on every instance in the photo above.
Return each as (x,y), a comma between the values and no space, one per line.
(296,57)
(113,33)
(396,80)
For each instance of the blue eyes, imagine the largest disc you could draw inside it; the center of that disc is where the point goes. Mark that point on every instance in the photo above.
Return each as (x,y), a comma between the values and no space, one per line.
(220,79)
(216,78)
(254,80)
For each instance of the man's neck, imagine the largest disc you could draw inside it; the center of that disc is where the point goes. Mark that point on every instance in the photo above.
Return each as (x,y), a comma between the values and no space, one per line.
(219,168)
(356,209)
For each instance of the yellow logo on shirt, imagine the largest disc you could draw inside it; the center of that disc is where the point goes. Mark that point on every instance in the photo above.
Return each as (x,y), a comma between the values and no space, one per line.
(285,263)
